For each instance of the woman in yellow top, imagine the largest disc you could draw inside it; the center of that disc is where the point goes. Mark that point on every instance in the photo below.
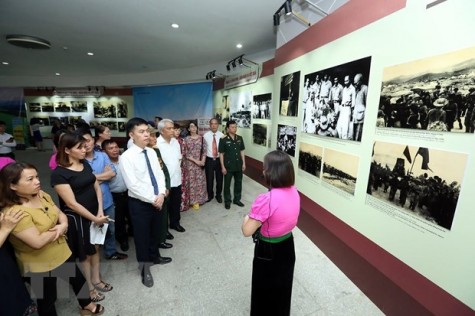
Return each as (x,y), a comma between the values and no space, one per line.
(38,239)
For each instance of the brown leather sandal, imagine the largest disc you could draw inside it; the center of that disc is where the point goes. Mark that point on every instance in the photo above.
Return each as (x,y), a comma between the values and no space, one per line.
(96,296)
(99,310)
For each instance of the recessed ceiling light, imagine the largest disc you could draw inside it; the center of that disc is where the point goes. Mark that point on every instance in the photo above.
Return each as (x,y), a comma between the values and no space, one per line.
(175,26)
(58,74)
(5,63)
(239,45)
(90,53)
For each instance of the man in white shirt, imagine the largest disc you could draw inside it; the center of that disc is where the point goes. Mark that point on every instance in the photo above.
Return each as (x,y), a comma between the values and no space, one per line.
(145,182)
(213,166)
(171,155)
(7,142)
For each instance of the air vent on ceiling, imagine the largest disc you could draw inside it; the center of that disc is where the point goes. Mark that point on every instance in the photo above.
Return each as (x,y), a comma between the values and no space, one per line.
(27,41)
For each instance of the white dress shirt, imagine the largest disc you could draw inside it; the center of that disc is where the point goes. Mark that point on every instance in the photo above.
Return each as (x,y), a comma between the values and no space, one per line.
(208,137)
(134,170)
(5,146)
(171,155)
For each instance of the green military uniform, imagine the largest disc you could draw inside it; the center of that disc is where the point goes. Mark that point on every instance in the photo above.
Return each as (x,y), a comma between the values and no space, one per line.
(164,210)
(231,149)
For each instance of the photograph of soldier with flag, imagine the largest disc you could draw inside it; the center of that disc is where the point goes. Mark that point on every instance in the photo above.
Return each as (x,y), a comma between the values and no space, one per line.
(424,181)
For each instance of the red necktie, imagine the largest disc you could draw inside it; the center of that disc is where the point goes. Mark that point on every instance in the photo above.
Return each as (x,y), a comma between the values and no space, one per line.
(215,147)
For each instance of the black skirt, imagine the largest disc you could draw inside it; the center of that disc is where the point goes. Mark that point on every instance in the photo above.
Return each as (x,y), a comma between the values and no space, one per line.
(78,236)
(272,277)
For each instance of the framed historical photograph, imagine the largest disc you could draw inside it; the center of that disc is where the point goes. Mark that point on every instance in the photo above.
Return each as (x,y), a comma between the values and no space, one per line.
(122,110)
(261,106)
(259,134)
(340,170)
(424,182)
(310,159)
(104,109)
(287,139)
(240,108)
(334,100)
(432,94)
(34,107)
(47,107)
(79,106)
(289,94)
(62,106)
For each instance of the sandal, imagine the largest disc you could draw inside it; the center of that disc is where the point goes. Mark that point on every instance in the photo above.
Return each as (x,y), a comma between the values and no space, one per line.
(96,296)
(106,288)
(99,310)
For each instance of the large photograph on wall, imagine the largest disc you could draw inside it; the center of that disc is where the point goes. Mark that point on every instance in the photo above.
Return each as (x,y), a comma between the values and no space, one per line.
(240,108)
(259,134)
(289,94)
(287,139)
(423,181)
(261,106)
(340,170)
(334,100)
(310,159)
(435,94)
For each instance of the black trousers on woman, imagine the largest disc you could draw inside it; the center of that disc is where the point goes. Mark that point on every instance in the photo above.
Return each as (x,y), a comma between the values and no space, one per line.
(272,277)
(45,288)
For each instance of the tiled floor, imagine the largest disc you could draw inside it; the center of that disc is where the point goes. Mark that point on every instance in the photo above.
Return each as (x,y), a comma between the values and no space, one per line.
(211,269)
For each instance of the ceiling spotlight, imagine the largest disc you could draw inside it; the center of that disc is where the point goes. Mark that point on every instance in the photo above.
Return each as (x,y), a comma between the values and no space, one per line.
(58,74)
(239,45)
(175,26)
(288,7)
(276,19)
(233,63)
(228,67)
(90,53)
(5,63)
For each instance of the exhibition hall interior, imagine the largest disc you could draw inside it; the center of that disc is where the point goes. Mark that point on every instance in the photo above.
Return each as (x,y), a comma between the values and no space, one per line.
(372,101)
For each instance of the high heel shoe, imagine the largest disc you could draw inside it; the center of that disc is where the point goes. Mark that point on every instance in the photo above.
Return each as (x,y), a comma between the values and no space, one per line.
(99,310)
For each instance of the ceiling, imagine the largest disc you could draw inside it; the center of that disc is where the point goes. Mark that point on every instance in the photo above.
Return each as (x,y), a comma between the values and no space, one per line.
(134,39)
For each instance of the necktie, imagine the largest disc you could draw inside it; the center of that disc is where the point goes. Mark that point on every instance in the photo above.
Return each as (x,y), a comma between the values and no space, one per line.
(150,172)
(215,147)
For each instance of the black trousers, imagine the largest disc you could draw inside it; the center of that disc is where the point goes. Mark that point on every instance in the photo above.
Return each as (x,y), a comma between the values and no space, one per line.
(272,277)
(122,216)
(147,221)
(174,203)
(213,170)
(45,289)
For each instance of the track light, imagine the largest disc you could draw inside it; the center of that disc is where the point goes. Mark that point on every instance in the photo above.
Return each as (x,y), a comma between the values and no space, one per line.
(213,75)
(228,67)
(240,61)
(287,7)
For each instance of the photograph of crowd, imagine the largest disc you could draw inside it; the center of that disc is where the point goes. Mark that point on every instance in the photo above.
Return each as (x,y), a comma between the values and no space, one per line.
(261,106)
(310,159)
(47,107)
(436,94)
(423,181)
(62,106)
(240,108)
(34,107)
(122,110)
(259,134)
(340,170)
(289,94)
(79,106)
(334,100)
(104,109)
(287,139)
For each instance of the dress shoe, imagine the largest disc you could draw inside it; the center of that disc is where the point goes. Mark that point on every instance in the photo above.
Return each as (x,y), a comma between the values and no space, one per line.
(170,236)
(239,203)
(165,245)
(227,206)
(147,278)
(219,199)
(178,228)
(162,260)
(124,245)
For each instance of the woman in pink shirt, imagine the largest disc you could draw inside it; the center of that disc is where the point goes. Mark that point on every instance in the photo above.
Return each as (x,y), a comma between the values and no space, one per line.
(272,217)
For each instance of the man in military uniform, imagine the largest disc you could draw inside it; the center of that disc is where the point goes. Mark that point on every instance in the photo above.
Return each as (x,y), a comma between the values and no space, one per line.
(231,157)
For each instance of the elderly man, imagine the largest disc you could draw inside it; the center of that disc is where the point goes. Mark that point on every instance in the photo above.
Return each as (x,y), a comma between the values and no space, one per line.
(213,166)
(171,155)
(361,93)
(344,126)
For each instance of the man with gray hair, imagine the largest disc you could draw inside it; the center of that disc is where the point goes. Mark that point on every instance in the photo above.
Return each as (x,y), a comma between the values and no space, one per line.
(171,155)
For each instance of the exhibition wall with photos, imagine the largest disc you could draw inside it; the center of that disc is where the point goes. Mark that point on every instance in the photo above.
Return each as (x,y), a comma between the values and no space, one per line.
(111,111)
(383,140)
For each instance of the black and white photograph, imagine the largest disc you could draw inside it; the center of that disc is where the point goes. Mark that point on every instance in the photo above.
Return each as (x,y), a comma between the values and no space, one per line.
(223,111)
(110,124)
(79,106)
(259,134)
(423,181)
(334,100)
(340,170)
(62,106)
(63,119)
(104,109)
(287,139)
(261,106)
(432,94)
(75,119)
(42,121)
(310,159)
(34,107)
(47,107)
(121,126)
(289,94)
(240,108)
(122,110)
